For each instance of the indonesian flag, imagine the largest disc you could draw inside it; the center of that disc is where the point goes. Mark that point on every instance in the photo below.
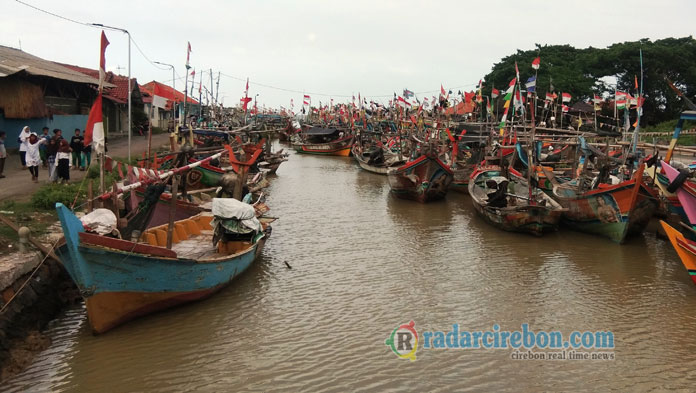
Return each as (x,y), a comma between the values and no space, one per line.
(245,102)
(188,54)
(517,71)
(402,103)
(94,131)
(536,62)
(307,100)
(565,108)
(550,97)
(495,92)
(443,93)
(565,97)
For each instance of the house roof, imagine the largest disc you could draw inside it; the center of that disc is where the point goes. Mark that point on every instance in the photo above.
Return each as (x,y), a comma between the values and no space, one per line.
(119,92)
(13,61)
(155,88)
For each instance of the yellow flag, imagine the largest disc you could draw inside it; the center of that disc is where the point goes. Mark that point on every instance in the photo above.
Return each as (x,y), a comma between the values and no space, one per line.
(507,104)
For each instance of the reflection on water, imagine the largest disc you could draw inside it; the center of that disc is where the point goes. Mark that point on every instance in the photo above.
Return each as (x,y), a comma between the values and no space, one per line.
(364,262)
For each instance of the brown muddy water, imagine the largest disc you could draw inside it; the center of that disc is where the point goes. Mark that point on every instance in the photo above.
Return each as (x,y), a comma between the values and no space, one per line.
(362,264)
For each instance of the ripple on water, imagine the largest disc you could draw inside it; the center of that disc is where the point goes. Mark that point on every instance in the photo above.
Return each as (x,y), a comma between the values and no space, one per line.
(364,262)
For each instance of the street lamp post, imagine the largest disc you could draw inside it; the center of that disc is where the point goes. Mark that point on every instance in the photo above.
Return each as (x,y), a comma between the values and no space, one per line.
(174,108)
(129,81)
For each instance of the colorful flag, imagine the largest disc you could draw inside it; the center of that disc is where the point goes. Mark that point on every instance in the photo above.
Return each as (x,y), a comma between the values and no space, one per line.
(94,130)
(596,100)
(531,84)
(517,71)
(565,97)
(408,93)
(495,93)
(488,107)
(535,63)
(188,55)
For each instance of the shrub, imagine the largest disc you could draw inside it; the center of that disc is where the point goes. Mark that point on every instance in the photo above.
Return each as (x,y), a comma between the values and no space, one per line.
(47,196)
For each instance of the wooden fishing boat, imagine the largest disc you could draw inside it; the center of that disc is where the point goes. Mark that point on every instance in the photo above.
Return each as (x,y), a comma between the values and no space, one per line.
(121,279)
(613,211)
(684,189)
(685,248)
(379,165)
(424,179)
(324,141)
(508,206)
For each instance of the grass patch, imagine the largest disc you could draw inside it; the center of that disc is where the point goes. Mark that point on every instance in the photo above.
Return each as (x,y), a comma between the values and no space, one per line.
(23,214)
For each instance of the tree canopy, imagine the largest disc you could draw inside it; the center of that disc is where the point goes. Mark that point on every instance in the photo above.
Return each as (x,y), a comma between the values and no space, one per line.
(589,71)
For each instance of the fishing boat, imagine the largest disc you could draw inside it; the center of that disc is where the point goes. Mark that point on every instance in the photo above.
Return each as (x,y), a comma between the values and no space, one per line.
(424,179)
(123,279)
(613,211)
(323,141)
(506,203)
(685,248)
(684,189)
(375,160)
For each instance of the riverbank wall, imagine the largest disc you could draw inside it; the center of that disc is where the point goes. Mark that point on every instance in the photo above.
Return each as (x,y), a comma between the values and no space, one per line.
(32,293)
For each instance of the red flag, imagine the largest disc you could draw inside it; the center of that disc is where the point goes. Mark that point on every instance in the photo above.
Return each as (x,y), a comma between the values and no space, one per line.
(94,131)
(246,90)
(188,54)
(193,73)
(442,91)
(535,63)
(102,60)
(636,80)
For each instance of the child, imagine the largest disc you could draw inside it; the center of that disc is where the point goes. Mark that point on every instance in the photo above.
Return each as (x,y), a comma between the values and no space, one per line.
(33,158)
(63,159)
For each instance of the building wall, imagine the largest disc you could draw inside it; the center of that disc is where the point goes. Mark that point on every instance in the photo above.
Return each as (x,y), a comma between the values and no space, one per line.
(67,123)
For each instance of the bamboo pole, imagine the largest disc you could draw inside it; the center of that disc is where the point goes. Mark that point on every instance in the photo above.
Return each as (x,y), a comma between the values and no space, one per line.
(172,211)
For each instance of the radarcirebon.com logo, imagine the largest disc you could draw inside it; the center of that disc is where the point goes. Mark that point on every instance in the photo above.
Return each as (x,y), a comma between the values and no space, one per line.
(403,341)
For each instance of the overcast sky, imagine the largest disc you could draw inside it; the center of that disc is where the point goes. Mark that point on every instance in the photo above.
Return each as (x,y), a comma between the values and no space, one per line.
(330,48)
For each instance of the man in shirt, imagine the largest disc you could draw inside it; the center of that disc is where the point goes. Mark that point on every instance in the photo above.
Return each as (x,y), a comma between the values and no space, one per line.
(76,143)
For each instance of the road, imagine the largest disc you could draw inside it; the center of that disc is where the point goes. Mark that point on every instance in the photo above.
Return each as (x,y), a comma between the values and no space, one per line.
(17,183)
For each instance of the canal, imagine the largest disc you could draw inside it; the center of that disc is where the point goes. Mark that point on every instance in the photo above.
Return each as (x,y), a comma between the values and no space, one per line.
(363,263)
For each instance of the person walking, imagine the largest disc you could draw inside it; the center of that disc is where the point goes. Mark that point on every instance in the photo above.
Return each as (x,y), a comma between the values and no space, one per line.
(76,143)
(63,158)
(22,140)
(33,158)
(51,152)
(3,153)
(44,146)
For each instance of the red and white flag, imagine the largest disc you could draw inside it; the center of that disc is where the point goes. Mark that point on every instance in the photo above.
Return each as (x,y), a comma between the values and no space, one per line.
(443,93)
(307,100)
(94,131)
(188,54)
(565,97)
(535,63)
(550,97)
(495,92)
(565,108)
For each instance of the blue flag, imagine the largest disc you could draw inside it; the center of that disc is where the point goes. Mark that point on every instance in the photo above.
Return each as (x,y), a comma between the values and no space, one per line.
(531,84)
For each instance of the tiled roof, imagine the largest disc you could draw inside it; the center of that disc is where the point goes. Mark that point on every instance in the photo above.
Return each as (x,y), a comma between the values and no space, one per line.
(119,93)
(165,91)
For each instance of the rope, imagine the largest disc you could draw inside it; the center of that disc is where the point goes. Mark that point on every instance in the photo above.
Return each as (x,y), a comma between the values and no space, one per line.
(24,284)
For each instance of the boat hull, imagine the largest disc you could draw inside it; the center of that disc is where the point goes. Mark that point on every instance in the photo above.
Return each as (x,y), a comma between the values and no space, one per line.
(532,219)
(340,147)
(122,280)
(615,212)
(424,179)
(460,183)
(686,249)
